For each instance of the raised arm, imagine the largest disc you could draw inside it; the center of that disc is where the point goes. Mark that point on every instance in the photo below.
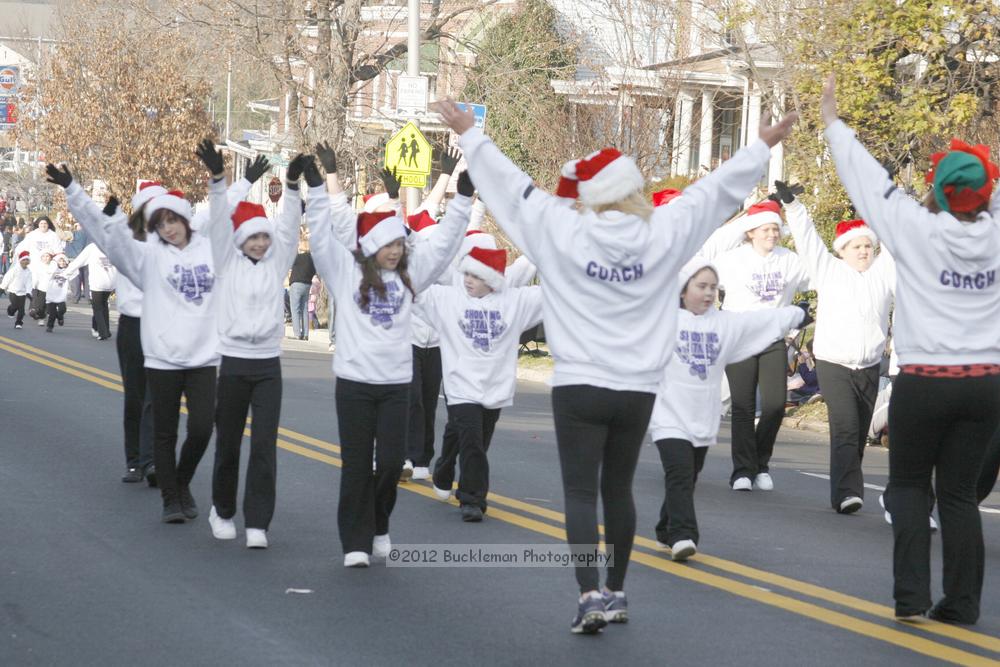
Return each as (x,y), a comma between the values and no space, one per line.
(432,255)
(447,161)
(289,220)
(815,258)
(217,227)
(332,259)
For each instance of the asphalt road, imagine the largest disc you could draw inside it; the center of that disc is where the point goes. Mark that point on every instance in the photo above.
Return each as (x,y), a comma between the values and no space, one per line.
(88,575)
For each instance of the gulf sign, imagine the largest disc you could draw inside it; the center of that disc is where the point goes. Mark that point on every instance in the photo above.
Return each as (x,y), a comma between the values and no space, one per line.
(10,78)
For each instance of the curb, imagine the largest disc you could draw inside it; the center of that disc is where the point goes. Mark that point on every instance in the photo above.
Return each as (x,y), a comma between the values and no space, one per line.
(802,424)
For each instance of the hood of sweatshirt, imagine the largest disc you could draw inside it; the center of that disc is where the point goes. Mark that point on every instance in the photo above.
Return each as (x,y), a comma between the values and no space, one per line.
(620,237)
(974,243)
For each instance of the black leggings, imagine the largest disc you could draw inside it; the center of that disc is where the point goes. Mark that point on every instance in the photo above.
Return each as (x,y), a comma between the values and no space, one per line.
(54,311)
(100,320)
(366,413)
(752,447)
(424,390)
(850,399)
(246,384)
(37,311)
(939,426)
(599,434)
(198,387)
(682,462)
(137,418)
(16,307)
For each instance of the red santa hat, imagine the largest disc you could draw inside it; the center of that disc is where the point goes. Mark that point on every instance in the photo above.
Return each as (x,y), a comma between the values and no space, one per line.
(373,202)
(766,212)
(604,177)
(147,190)
(852,229)
(171,201)
(376,230)
(476,239)
(487,264)
(664,197)
(24,254)
(420,221)
(249,219)
(567,188)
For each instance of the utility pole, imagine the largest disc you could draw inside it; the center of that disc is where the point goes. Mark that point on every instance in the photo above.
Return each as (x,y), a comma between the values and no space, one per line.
(229,94)
(413,69)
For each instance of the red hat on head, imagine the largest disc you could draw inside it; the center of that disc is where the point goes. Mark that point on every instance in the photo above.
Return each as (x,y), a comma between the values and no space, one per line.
(762,213)
(378,229)
(249,219)
(24,254)
(967,199)
(851,229)
(664,197)
(172,201)
(487,264)
(147,190)
(567,188)
(604,177)
(420,221)
(373,202)
(476,239)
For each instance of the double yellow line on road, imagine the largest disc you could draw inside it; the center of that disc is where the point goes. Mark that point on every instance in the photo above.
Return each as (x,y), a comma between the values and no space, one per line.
(743,581)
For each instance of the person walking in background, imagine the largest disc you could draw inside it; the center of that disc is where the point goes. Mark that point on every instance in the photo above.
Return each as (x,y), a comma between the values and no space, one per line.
(302,274)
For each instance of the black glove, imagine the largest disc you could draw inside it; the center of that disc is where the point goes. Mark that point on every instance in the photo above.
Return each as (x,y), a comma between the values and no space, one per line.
(464,185)
(327,157)
(295,169)
(786,193)
(58,175)
(311,171)
(257,169)
(391,183)
(804,305)
(211,157)
(449,160)
(111,206)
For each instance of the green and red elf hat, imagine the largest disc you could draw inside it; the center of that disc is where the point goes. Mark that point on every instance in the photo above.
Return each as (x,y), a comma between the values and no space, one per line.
(963,177)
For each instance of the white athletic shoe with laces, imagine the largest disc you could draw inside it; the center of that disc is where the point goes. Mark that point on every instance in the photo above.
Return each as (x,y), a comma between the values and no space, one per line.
(256,538)
(743,484)
(682,550)
(381,546)
(421,472)
(356,559)
(222,529)
(764,482)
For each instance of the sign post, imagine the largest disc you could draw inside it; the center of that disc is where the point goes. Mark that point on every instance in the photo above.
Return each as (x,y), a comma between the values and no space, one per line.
(411,95)
(409,153)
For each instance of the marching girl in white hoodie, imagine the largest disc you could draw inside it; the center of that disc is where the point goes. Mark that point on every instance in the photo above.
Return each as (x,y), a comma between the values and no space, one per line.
(373,288)
(101,278)
(175,271)
(480,323)
(685,421)
(852,325)
(946,400)
(40,284)
(252,255)
(758,275)
(137,419)
(17,283)
(55,306)
(609,285)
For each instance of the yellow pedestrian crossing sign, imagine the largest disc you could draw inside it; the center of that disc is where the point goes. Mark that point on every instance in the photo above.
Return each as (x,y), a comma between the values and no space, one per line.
(409,153)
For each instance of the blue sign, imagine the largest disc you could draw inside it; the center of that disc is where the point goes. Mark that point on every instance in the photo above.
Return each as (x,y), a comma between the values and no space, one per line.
(479,110)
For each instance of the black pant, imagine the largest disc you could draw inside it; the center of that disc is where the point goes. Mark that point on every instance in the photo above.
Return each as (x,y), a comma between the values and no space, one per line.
(681,464)
(16,306)
(37,311)
(100,321)
(473,427)
(198,387)
(80,283)
(599,434)
(424,390)
(444,466)
(366,413)
(991,468)
(850,400)
(54,311)
(752,447)
(138,414)
(939,426)
(246,384)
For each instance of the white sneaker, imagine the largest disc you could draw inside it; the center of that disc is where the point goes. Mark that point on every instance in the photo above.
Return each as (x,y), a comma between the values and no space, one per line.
(332,347)
(421,472)
(850,505)
(356,559)
(443,495)
(381,546)
(881,503)
(93,332)
(764,482)
(222,529)
(256,538)
(683,550)
(407,473)
(934,526)
(41,323)
(743,484)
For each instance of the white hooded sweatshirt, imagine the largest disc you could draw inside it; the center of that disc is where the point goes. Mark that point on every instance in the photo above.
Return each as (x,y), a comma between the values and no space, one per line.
(947,293)
(609,280)
(101,275)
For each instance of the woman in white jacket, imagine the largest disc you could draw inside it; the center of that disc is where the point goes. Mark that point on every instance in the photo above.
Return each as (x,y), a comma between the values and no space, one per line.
(101,277)
(946,400)
(685,421)
(852,325)
(373,283)
(609,285)
(758,275)
(175,271)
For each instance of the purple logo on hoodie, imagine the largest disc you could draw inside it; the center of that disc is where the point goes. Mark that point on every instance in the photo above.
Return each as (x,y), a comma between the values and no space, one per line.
(767,286)
(192,282)
(699,350)
(482,327)
(382,309)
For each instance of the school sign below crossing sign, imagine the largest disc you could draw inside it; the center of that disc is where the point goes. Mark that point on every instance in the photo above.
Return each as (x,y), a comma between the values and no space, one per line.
(409,153)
